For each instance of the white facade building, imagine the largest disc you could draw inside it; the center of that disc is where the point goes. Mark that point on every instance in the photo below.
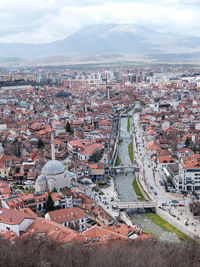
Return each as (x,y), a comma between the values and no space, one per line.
(15,221)
(54,175)
(73,218)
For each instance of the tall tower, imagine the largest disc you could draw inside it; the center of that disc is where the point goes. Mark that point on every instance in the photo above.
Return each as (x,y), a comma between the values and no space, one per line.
(53,156)
(108,93)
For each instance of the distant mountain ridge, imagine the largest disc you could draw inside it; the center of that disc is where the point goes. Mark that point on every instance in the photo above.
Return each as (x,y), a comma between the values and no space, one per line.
(106,39)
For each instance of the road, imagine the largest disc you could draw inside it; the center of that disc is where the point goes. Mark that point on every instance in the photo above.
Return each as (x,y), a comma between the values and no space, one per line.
(151,177)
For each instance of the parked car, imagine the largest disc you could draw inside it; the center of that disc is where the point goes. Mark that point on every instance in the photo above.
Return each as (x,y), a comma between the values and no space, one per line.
(155,193)
(181,205)
(173,191)
(174,201)
(151,187)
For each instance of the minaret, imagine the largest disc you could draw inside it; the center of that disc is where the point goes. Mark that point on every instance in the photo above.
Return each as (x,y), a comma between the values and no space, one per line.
(53,157)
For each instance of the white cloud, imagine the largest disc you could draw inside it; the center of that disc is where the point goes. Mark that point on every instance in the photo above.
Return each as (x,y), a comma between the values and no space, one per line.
(47,20)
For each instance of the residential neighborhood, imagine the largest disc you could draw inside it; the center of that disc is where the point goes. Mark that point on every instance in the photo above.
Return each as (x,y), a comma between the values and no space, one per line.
(65,150)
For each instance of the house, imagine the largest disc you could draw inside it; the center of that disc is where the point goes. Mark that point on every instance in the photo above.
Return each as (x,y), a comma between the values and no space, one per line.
(36,202)
(43,228)
(97,174)
(97,234)
(165,160)
(73,218)
(16,221)
(184,152)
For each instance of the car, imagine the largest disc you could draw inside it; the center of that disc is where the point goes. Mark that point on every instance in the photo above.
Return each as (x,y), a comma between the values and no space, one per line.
(173,191)
(173,215)
(151,187)
(148,166)
(165,204)
(181,205)
(161,183)
(173,205)
(174,201)
(155,193)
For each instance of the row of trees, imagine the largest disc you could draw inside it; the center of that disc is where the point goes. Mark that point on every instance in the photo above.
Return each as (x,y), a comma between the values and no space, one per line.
(32,252)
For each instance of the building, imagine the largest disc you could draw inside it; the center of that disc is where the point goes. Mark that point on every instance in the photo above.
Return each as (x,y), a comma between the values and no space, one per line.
(54,176)
(190,174)
(73,218)
(16,221)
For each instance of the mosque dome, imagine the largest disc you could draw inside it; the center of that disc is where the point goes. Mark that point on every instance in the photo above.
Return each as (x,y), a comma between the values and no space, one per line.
(53,167)
(69,174)
(41,178)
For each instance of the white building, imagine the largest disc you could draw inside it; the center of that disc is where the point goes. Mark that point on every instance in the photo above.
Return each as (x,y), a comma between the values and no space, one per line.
(54,175)
(73,218)
(15,221)
(189,178)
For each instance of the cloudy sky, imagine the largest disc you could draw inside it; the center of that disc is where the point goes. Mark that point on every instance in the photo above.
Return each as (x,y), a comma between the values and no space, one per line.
(39,21)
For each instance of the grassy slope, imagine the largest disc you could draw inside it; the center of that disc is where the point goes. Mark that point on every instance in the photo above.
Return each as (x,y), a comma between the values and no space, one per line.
(130,151)
(166,226)
(118,161)
(137,190)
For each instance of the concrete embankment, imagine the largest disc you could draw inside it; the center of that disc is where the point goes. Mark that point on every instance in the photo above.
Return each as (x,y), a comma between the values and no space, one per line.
(177,224)
(142,189)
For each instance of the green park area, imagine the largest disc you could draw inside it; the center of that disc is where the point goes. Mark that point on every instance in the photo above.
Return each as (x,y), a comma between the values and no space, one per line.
(130,151)
(118,161)
(129,124)
(137,190)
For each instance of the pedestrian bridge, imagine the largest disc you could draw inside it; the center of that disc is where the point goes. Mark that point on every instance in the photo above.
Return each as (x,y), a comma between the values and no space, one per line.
(125,138)
(125,115)
(135,204)
(122,167)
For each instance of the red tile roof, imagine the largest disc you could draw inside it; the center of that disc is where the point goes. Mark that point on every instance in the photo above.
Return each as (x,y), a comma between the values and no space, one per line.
(11,216)
(66,215)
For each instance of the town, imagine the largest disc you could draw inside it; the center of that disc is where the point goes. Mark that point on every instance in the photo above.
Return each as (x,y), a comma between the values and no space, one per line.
(93,154)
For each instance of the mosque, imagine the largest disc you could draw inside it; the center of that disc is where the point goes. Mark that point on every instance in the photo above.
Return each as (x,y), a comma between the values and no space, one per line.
(54,174)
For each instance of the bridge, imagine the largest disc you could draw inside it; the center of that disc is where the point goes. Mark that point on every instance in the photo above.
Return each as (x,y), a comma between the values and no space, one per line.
(125,115)
(122,167)
(125,138)
(135,204)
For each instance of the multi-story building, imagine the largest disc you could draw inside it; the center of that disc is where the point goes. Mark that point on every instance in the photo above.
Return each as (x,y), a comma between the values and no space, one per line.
(189,176)
(73,218)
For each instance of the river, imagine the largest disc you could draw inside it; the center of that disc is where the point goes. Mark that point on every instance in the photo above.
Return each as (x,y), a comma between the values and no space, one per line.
(123,182)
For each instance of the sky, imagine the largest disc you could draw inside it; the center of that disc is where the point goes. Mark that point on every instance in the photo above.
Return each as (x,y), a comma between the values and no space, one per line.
(41,21)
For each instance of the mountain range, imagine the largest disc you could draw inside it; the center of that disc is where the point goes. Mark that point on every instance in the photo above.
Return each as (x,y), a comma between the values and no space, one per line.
(110,39)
